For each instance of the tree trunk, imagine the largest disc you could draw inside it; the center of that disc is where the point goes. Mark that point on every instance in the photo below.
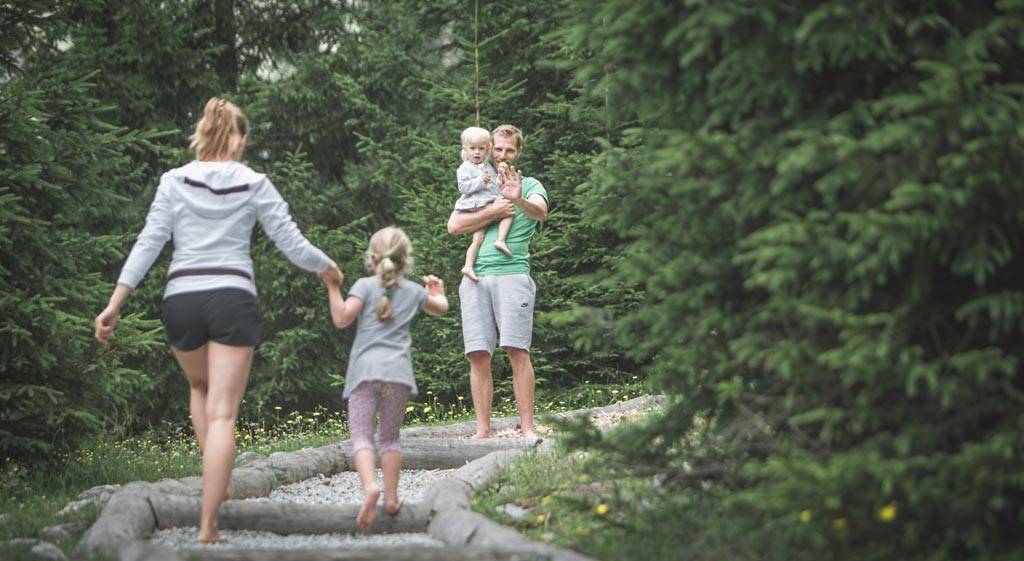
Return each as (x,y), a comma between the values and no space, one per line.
(224,37)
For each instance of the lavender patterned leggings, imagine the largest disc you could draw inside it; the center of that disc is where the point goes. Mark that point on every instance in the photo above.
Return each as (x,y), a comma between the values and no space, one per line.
(365,402)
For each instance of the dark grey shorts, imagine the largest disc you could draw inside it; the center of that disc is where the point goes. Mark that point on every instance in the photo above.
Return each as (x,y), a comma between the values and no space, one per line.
(230,316)
(498,305)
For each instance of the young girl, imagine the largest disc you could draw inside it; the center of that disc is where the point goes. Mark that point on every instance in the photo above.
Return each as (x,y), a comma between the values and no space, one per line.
(478,183)
(379,380)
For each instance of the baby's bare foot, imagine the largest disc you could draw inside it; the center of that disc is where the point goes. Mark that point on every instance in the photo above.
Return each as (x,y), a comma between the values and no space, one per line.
(469,273)
(503,248)
(368,512)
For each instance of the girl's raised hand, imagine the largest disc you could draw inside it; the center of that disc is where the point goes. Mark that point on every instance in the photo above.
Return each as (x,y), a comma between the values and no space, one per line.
(434,285)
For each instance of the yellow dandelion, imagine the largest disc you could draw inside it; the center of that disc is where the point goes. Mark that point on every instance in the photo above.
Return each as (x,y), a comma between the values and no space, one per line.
(887,513)
(541,518)
(547,499)
(409,409)
(584,478)
(839,523)
(805,516)
(601,509)
(277,408)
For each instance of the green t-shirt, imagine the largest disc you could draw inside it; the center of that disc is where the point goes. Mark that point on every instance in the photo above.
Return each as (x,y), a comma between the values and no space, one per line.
(490,260)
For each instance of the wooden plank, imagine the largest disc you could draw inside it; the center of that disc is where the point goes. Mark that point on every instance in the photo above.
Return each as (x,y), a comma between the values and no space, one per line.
(127,517)
(286,518)
(399,553)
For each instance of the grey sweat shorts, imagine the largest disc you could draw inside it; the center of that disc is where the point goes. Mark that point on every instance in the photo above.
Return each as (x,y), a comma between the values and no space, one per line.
(498,304)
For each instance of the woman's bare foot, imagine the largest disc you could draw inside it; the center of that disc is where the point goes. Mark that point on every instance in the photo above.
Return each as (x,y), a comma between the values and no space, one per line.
(392,507)
(503,248)
(368,512)
(469,273)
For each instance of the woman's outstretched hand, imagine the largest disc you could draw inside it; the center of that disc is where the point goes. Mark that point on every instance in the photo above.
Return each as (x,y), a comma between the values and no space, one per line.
(332,276)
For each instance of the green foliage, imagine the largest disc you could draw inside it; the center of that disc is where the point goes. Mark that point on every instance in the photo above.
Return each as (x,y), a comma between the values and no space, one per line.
(66,177)
(355,113)
(821,206)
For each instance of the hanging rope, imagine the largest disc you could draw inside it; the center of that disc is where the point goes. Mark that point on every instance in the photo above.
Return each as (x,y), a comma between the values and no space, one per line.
(476,55)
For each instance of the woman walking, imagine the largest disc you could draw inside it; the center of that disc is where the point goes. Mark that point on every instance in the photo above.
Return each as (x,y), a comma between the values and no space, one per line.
(209,207)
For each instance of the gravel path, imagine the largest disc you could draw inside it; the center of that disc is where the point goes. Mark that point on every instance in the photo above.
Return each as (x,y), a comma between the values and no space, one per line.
(128,526)
(339,489)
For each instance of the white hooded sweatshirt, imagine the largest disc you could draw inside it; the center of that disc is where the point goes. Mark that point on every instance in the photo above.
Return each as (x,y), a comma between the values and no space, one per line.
(209,209)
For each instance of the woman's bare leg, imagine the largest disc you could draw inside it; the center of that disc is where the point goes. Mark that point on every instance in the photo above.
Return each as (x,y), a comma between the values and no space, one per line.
(226,375)
(193,363)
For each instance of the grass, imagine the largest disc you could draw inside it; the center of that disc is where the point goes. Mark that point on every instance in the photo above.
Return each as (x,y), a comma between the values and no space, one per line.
(574,500)
(32,496)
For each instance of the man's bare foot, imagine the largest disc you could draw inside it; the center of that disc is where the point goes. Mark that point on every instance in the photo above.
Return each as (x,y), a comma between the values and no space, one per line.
(217,538)
(470,274)
(528,433)
(392,508)
(503,248)
(480,436)
(368,512)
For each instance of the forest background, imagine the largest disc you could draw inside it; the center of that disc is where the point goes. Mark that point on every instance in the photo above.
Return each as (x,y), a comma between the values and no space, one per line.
(802,221)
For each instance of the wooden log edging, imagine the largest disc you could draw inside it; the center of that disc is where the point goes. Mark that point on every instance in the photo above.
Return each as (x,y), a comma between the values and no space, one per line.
(374,553)
(286,518)
(453,522)
(467,428)
(134,511)
(130,515)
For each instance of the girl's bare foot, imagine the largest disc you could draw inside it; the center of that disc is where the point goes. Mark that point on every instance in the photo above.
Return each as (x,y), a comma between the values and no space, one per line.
(217,538)
(368,512)
(392,507)
(469,273)
(502,247)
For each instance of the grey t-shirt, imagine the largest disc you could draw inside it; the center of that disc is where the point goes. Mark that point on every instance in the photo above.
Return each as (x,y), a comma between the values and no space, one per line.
(383,349)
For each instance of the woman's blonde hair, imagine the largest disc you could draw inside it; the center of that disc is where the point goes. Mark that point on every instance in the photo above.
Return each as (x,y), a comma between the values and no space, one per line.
(391,250)
(220,132)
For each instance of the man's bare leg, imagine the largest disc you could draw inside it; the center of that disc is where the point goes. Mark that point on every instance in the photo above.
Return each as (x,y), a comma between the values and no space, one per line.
(523,387)
(481,385)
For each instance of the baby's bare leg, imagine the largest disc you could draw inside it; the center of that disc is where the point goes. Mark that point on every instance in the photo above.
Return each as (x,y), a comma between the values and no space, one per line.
(471,253)
(503,228)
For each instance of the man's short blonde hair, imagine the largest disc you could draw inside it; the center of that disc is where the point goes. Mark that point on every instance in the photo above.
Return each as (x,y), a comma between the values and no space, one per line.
(509,130)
